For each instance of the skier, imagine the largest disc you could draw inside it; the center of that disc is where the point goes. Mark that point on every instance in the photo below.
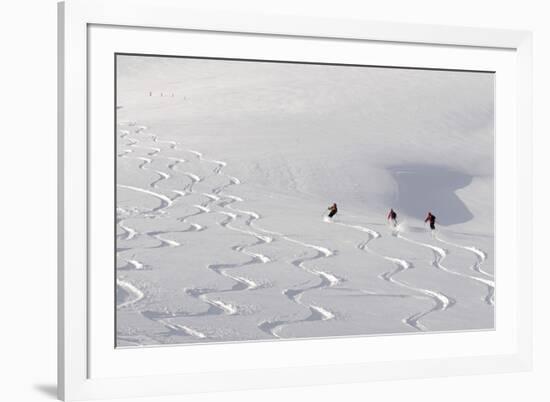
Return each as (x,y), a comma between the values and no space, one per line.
(430,218)
(333,210)
(392,217)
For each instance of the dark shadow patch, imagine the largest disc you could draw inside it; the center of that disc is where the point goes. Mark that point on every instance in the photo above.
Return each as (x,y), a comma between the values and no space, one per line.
(423,188)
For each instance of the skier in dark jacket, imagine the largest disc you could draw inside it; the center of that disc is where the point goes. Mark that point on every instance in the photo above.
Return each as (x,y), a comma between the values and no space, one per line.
(430,218)
(333,210)
(392,217)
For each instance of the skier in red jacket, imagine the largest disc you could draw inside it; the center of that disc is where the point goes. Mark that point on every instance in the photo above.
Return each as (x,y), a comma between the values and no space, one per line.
(430,218)
(392,217)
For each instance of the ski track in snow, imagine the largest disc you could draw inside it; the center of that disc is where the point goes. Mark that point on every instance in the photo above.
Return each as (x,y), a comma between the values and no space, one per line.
(179,330)
(441,302)
(132,291)
(136,264)
(165,201)
(480,255)
(129,232)
(440,254)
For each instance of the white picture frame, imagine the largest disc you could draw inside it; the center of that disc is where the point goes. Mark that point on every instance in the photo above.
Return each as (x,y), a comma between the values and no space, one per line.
(89,369)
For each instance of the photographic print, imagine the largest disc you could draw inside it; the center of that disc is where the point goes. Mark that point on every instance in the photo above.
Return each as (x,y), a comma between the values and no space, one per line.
(271,200)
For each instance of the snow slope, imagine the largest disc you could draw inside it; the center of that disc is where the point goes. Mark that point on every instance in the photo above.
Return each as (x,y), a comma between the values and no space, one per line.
(224,173)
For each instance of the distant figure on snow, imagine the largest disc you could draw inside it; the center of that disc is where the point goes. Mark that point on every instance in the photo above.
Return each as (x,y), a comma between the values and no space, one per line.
(333,210)
(430,218)
(392,217)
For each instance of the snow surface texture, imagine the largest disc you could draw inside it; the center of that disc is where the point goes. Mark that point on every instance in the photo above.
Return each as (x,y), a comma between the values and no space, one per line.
(225,171)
